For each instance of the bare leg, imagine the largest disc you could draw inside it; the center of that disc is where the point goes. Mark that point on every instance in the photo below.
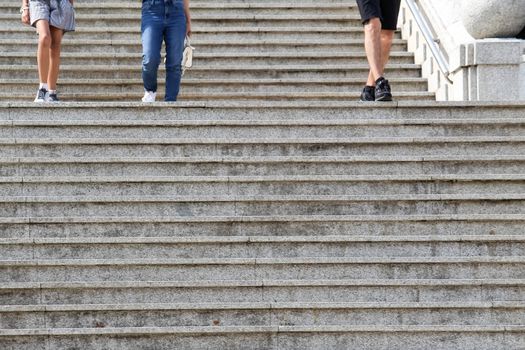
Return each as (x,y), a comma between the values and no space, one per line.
(44,44)
(373,49)
(386,44)
(54,57)
(387,37)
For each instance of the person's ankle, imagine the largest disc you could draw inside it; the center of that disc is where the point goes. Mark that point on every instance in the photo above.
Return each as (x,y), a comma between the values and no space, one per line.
(379,79)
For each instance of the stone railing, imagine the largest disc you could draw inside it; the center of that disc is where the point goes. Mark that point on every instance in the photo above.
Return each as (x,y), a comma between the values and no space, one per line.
(486,69)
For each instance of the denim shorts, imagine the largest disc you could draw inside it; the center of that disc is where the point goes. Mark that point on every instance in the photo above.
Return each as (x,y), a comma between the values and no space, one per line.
(59,13)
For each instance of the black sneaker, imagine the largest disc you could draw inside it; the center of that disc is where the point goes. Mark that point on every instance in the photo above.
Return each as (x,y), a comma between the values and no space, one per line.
(52,98)
(41,95)
(368,94)
(383,92)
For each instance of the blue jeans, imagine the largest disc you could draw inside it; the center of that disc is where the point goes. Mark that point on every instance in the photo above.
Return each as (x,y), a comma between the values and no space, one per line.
(163,20)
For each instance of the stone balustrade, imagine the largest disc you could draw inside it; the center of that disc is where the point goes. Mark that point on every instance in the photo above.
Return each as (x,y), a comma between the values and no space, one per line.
(486,60)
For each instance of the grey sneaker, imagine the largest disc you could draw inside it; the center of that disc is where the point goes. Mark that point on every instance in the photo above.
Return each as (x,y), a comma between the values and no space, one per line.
(41,95)
(53,98)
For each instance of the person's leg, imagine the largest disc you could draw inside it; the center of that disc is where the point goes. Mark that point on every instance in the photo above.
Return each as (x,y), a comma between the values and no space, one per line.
(54,57)
(44,45)
(390,12)
(371,17)
(374,50)
(387,37)
(152,36)
(39,15)
(174,35)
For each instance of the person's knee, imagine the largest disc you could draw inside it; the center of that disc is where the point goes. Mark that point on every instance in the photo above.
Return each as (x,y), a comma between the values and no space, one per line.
(55,45)
(150,62)
(387,35)
(176,68)
(173,61)
(373,25)
(44,40)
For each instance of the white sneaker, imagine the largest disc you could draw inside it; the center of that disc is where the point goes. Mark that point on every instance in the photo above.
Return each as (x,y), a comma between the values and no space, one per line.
(149,96)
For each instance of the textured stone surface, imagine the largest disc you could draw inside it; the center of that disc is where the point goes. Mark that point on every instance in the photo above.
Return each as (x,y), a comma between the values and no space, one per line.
(493,18)
(257,224)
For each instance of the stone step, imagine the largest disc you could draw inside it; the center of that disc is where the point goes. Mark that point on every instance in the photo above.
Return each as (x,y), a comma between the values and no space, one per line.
(143,226)
(227,72)
(231,4)
(214,46)
(261,205)
(271,337)
(385,120)
(256,129)
(224,19)
(262,147)
(254,247)
(222,8)
(206,227)
(259,166)
(205,33)
(334,268)
(111,17)
(275,110)
(268,290)
(260,314)
(254,186)
(230,96)
(70,86)
(212,59)
(220,3)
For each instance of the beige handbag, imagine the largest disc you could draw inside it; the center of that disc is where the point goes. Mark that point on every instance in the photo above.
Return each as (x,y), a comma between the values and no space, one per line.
(187,56)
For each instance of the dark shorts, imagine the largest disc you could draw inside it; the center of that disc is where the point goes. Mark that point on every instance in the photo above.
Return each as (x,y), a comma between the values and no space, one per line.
(386,10)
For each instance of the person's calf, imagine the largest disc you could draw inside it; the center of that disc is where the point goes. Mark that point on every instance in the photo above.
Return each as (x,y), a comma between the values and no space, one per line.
(55,47)
(373,49)
(387,35)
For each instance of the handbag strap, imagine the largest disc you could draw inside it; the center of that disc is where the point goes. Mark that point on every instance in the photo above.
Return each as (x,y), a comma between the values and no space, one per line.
(187,42)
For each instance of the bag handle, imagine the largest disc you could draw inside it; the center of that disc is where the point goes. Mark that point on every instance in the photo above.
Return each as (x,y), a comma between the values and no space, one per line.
(187,42)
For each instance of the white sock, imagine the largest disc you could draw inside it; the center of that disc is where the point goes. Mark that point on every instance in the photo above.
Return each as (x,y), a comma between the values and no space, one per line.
(43,86)
(51,92)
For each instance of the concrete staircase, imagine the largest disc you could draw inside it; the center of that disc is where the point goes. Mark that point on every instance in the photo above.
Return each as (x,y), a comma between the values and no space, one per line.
(398,226)
(252,222)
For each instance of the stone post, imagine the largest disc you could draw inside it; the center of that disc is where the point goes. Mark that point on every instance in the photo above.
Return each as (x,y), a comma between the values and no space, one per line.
(489,70)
